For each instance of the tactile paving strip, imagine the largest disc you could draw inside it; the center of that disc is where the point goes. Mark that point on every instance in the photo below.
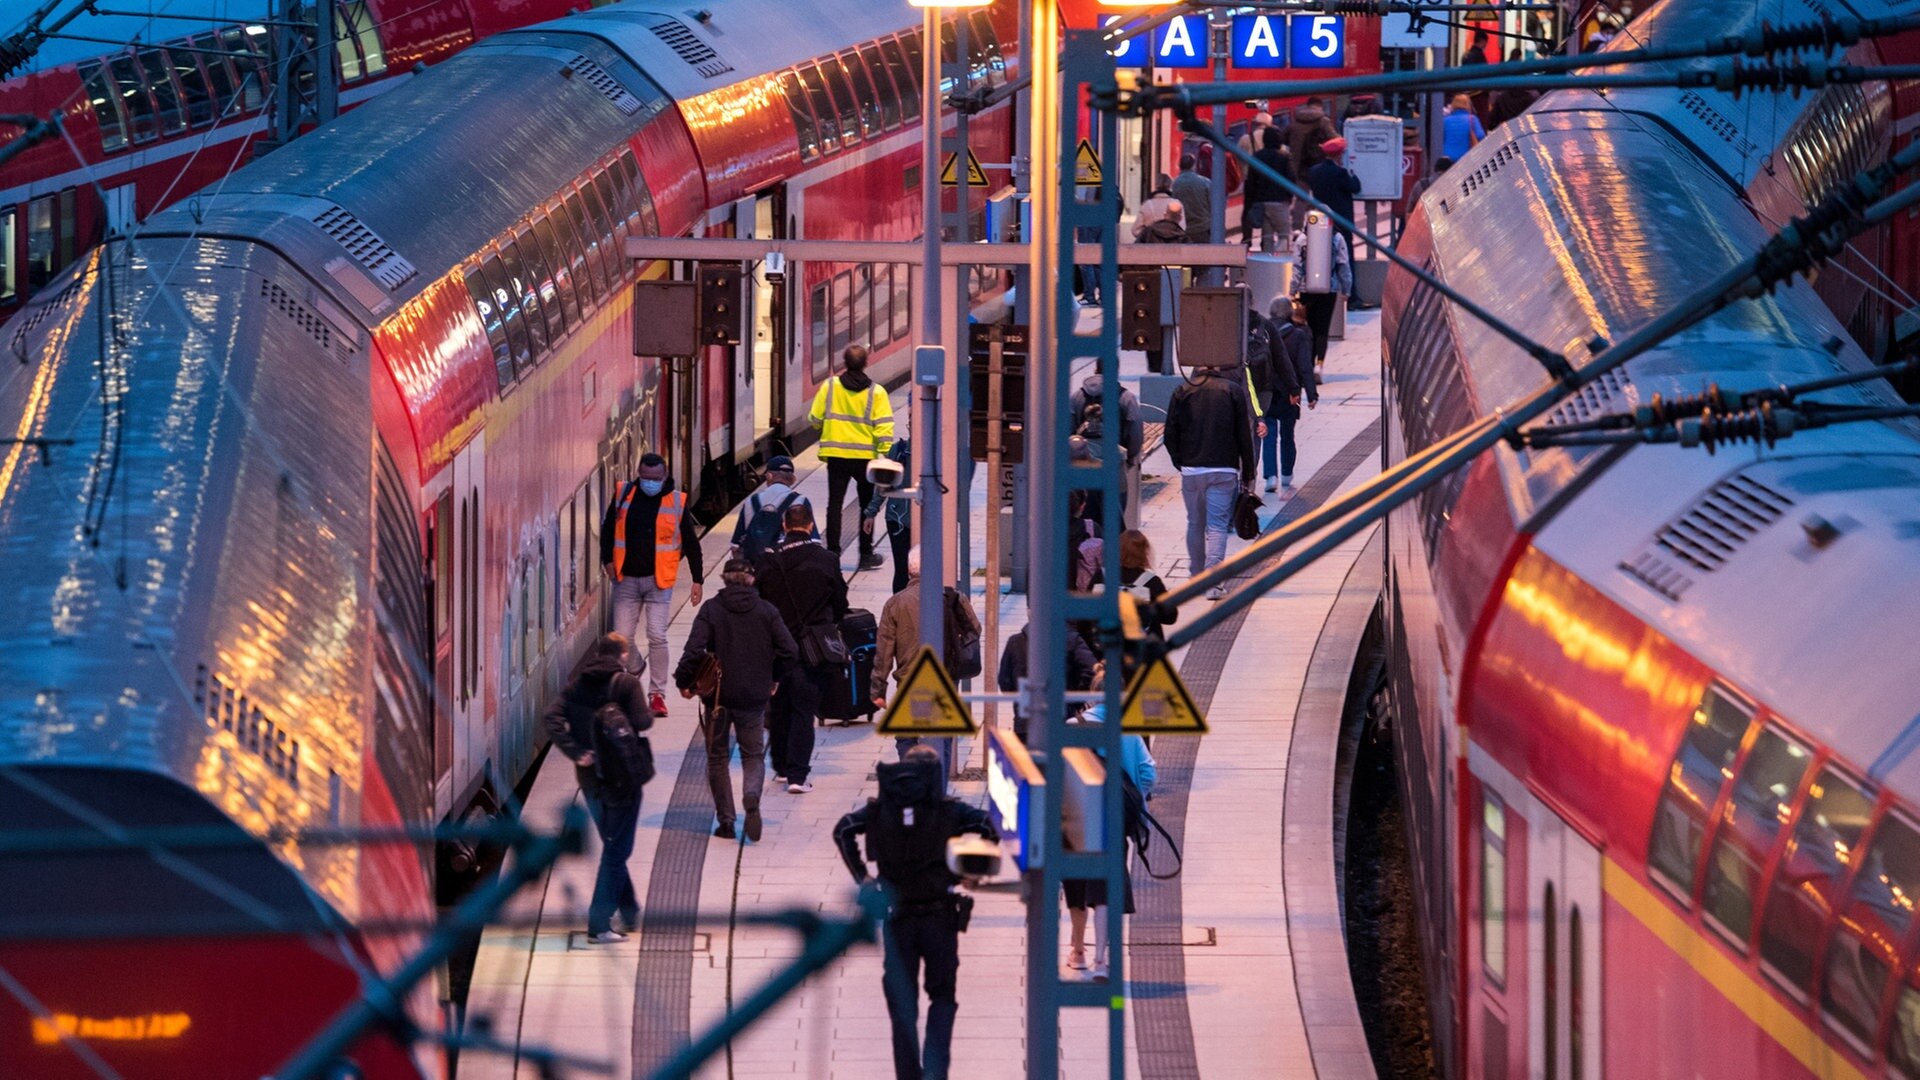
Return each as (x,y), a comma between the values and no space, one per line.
(663,989)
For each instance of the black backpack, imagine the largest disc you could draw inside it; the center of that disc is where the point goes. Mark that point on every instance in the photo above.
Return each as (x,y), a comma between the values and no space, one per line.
(1140,825)
(911,855)
(623,758)
(764,528)
(964,660)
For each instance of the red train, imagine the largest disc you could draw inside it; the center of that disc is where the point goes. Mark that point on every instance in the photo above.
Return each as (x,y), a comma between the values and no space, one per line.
(325,542)
(155,123)
(1656,710)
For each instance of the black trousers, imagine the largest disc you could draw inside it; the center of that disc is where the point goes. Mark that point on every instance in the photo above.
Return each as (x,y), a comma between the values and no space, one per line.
(902,542)
(912,941)
(790,718)
(840,472)
(1319,320)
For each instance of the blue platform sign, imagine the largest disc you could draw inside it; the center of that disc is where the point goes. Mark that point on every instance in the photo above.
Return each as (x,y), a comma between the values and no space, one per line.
(1132,52)
(1259,41)
(1181,43)
(1318,41)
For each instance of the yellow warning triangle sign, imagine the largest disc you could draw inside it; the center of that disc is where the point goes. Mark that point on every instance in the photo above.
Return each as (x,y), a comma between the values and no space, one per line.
(926,703)
(976,176)
(1158,704)
(1086,164)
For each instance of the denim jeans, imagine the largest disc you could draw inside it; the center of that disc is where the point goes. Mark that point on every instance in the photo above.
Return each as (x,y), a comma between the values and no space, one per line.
(613,886)
(1209,497)
(751,729)
(632,598)
(1280,427)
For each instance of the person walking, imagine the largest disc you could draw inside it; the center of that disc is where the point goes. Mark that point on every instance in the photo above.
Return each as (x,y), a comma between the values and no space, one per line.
(1195,194)
(1294,378)
(1319,306)
(898,636)
(1139,580)
(855,418)
(759,525)
(1154,208)
(1088,899)
(1209,437)
(895,514)
(801,579)
(907,829)
(1013,668)
(1269,205)
(596,723)
(1460,129)
(754,649)
(645,532)
(1269,376)
(1087,420)
(1334,185)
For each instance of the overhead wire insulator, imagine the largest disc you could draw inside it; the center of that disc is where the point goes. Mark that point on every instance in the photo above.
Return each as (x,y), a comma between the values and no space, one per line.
(1713,429)
(1663,411)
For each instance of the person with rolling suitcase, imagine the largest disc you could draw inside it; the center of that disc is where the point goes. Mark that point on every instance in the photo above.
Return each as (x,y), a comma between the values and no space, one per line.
(844,696)
(801,578)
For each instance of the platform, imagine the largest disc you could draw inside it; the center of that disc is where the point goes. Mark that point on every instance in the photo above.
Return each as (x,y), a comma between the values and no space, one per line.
(1236,966)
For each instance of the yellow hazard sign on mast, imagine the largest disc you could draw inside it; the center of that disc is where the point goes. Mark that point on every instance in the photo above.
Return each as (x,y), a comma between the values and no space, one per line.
(1086,164)
(926,703)
(1157,703)
(976,176)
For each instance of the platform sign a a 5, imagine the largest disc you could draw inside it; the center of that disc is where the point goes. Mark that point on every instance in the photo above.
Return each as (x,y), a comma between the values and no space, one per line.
(1181,43)
(1259,41)
(1318,41)
(1130,53)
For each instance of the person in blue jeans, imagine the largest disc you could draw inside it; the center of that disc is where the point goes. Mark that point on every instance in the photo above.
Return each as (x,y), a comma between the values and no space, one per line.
(1293,380)
(1210,438)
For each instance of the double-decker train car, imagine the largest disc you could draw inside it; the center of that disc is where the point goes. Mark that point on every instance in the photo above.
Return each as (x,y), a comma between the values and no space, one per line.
(300,502)
(1655,708)
(159,120)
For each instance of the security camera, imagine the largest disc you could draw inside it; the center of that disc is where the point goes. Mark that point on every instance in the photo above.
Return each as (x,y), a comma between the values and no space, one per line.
(886,474)
(774,268)
(974,858)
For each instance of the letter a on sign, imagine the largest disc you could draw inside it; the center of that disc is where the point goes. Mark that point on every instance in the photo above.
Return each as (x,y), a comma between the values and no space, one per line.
(1157,703)
(1181,43)
(926,703)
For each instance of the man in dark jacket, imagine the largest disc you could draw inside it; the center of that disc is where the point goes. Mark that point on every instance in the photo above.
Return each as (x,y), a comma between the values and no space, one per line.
(1209,437)
(605,773)
(1269,205)
(1294,378)
(647,528)
(907,830)
(801,578)
(894,515)
(755,649)
(1013,668)
(1195,193)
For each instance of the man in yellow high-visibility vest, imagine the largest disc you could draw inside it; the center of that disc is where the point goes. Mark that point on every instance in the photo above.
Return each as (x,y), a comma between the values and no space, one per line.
(646,531)
(855,419)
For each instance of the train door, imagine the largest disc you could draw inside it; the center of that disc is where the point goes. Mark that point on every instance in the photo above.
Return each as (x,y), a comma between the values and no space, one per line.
(765,404)
(1563,951)
(469,574)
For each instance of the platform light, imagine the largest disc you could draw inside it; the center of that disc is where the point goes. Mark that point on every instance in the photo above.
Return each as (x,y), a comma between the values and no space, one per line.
(256,30)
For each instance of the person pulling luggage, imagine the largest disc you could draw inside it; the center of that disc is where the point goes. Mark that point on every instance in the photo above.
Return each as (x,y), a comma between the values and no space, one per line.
(753,650)
(801,578)
(907,829)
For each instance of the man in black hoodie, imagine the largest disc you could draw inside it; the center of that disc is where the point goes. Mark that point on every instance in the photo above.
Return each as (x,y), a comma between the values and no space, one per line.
(802,579)
(612,792)
(755,651)
(907,829)
(647,528)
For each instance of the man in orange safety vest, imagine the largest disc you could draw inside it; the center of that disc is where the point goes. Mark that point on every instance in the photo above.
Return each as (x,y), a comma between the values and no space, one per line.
(646,530)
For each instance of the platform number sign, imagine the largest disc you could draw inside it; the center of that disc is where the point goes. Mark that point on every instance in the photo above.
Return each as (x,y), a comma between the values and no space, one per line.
(1131,52)
(1181,43)
(1318,41)
(1259,41)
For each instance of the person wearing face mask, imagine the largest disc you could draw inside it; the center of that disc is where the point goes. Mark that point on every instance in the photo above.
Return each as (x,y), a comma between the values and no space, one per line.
(646,530)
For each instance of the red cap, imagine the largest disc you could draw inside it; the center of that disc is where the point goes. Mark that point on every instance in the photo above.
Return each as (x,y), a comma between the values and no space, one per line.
(1334,147)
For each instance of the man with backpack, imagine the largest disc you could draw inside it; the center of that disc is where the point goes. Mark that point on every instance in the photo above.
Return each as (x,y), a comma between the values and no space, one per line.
(907,829)
(596,722)
(751,650)
(760,524)
(801,579)
(1089,422)
(899,636)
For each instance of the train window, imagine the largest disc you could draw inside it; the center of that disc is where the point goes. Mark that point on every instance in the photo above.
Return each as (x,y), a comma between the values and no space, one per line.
(647,223)
(989,44)
(842,313)
(1760,803)
(846,102)
(1808,876)
(883,85)
(141,124)
(9,270)
(865,94)
(601,226)
(534,260)
(1883,893)
(367,33)
(803,125)
(626,177)
(949,44)
(1493,890)
(1707,749)
(824,111)
(862,304)
(617,213)
(906,78)
(496,331)
(902,300)
(42,258)
(344,47)
(525,300)
(979,46)
(193,88)
(560,261)
(247,65)
(588,279)
(882,304)
(166,96)
(541,601)
(916,58)
(817,319)
(1903,1043)
(106,107)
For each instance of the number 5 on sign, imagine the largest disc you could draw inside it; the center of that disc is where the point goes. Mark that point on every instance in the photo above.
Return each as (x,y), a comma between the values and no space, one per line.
(1318,41)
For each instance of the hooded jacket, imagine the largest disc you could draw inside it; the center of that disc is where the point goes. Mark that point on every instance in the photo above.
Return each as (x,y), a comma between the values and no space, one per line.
(596,681)
(1132,431)
(1164,231)
(1311,126)
(907,829)
(753,645)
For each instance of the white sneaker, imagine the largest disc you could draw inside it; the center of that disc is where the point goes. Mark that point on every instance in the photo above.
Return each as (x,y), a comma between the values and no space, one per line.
(1270,483)
(1217,592)
(779,781)
(800,788)
(607,937)
(1285,482)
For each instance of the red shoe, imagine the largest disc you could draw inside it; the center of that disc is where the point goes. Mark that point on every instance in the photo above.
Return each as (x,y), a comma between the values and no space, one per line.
(657,703)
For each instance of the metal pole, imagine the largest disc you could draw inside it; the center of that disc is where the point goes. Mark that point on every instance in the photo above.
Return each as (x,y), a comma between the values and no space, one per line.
(926,431)
(990,604)
(1219,31)
(956,571)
